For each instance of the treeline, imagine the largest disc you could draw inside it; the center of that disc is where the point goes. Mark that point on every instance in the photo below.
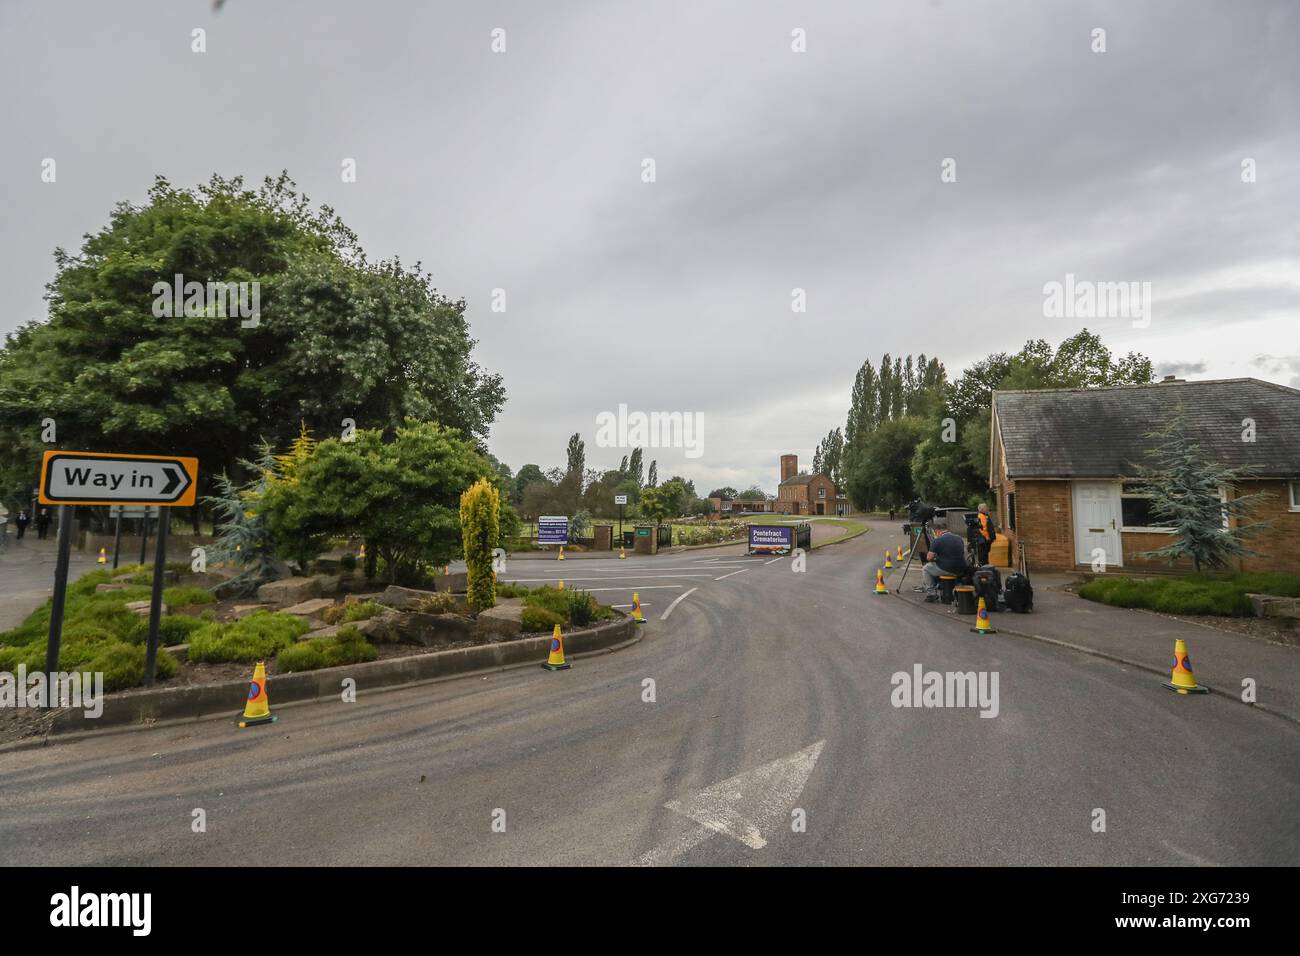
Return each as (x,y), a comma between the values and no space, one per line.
(583,493)
(910,433)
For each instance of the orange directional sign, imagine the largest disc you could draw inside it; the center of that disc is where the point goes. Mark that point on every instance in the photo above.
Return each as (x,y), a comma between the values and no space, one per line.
(93,478)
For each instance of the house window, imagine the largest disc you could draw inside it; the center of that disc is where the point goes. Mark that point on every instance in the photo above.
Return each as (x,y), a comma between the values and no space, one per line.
(1295,495)
(1011,511)
(1135,510)
(821,492)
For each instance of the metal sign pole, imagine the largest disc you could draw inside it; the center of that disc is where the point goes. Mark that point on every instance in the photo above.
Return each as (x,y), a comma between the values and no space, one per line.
(60,593)
(117,536)
(144,534)
(155,603)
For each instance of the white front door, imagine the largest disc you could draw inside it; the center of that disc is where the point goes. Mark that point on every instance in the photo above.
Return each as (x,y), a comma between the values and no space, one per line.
(1097,522)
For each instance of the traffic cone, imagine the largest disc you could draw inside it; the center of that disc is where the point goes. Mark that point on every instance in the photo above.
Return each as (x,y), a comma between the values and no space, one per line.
(899,558)
(621,552)
(555,661)
(880,582)
(103,556)
(361,555)
(561,557)
(1182,680)
(982,625)
(636,608)
(446,570)
(257,710)
(561,584)
(888,563)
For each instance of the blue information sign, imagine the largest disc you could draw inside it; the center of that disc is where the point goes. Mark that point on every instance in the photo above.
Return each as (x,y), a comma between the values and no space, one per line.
(770,538)
(552,529)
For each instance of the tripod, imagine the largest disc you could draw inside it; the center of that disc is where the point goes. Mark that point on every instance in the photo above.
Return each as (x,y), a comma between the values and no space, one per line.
(922,535)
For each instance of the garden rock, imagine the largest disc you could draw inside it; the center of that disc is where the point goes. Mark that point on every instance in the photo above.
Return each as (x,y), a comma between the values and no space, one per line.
(402,598)
(500,623)
(382,628)
(142,608)
(456,581)
(243,610)
(429,630)
(313,610)
(289,591)
(106,588)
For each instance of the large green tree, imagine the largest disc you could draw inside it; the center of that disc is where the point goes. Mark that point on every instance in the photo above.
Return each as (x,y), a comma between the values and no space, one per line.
(401,496)
(337,337)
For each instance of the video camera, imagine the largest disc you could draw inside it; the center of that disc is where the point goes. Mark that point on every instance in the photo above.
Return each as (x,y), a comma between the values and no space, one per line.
(918,512)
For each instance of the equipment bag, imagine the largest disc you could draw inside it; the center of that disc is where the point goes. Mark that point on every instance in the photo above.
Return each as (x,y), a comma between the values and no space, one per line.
(1019,594)
(988,585)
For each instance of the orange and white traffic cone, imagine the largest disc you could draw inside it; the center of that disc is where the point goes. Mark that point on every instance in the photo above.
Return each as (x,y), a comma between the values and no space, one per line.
(446,570)
(1182,680)
(888,563)
(982,625)
(555,660)
(899,556)
(636,608)
(258,709)
(103,556)
(361,555)
(880,582)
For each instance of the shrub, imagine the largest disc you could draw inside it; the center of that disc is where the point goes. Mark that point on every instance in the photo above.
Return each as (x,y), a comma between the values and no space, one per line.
(1196,594)
(129,569)
(540,619)
(436,604)
(172,630)
(512,590)
(581,607)
(348,646)
(122,664)
(354,611)
(256,637)
(480,524)
(186,595)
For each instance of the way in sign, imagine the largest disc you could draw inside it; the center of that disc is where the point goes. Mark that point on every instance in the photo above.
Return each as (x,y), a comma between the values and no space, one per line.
(88,478)
(92,478)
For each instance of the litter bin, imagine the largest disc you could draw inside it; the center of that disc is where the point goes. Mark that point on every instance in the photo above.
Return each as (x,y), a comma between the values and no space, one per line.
(965,597)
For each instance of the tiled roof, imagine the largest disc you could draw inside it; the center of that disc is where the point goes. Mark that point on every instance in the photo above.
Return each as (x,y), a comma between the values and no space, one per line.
(1103,432)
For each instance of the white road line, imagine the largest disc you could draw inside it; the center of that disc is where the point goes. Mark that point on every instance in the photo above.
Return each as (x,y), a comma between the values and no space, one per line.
(733,573)
(648,587)
(781,558)
(615,577)
(643,604)
(680,598)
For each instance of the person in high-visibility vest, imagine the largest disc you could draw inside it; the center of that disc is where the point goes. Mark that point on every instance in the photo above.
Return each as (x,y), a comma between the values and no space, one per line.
(988,532)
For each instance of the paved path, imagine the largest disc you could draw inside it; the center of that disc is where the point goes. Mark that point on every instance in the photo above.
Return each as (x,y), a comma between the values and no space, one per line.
(27,575)
(772,739)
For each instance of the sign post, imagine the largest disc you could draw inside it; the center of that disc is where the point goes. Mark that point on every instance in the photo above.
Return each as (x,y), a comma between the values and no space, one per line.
(620,500)
(117,536)
(553,529)
(71,478)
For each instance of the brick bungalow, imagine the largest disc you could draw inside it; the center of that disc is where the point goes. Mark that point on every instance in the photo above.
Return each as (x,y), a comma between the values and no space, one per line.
(1063,464)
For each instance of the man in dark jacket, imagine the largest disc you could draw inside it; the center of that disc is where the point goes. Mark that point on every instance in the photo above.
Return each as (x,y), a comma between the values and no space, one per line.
(22,521)
(42,523)
(947,555)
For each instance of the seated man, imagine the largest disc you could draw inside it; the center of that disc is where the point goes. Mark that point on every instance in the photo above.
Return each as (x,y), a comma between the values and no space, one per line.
(947,555)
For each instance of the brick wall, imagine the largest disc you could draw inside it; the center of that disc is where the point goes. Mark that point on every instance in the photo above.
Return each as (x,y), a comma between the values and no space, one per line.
(1045,523)
(1278,544)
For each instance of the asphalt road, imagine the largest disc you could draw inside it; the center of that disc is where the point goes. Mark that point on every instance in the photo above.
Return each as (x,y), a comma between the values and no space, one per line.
(771,740)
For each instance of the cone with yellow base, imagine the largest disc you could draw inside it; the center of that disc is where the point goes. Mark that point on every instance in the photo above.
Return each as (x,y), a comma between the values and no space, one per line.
(622,553)
(555,661)
(888,563)
(636,608)
(899,557)
(561,587)
(1182,680)
(446,570)
(561,557)
(982,624)
(880,582)
(258,709)
(103,556)
(361,555)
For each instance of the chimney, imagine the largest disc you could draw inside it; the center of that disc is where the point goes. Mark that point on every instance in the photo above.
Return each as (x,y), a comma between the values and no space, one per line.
(1172,378)
(789,466)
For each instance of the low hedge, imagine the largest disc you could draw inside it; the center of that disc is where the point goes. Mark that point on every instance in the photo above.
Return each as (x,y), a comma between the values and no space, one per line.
(254,638)
(348,646)
(1194,594)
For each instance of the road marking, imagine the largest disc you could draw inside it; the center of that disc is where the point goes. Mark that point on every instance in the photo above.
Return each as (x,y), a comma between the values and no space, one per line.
(680,598)
(648,587)
(741,571)
(612,577)
(741,807)
(643,604)
(781,558)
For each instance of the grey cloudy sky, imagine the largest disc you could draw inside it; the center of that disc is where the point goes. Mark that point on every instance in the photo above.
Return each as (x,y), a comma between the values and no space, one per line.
(775,170)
